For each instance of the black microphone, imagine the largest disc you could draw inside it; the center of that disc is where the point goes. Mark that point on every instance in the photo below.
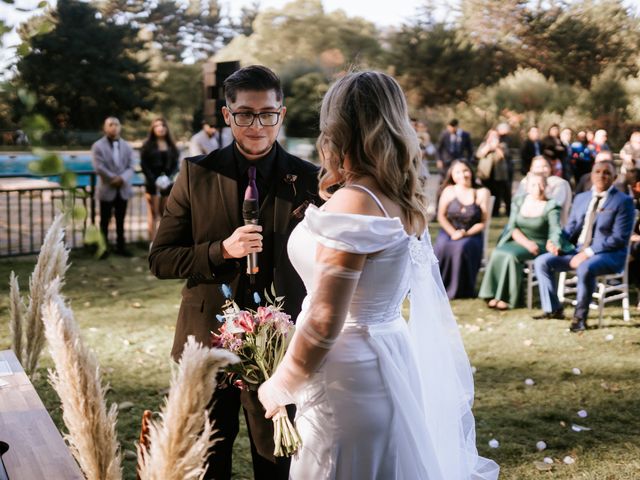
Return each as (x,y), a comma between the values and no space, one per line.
(250,211)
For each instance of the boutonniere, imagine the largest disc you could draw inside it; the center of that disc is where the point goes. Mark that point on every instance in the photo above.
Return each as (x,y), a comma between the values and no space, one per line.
(291,180)
(299,212)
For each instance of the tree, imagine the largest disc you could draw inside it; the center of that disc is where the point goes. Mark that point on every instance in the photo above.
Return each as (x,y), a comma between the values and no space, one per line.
(437,66)
(301,30)
(84,69)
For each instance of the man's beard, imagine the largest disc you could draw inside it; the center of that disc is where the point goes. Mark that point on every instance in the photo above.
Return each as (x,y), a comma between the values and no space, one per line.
(245,150)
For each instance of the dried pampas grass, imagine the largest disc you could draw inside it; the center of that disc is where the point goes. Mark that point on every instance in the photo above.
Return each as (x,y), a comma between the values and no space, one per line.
(76,380)
(16,313)
(179,443)
(52,263)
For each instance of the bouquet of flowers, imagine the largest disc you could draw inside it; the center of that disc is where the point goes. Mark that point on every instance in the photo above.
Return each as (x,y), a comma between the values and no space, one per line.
(260,338)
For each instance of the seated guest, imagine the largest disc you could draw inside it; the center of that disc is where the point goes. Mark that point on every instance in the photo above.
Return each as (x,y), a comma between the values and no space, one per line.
(631,149)
(462,211)
(584,183)
(581,157)
(600,225)
(534,227)
(557,188)
(627,179)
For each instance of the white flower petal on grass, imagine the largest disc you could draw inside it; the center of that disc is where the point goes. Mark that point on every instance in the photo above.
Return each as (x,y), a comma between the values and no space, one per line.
(608,337)
(528,342)
(541,445)
(568,460)
(576,371)
(529,382)
(474,370)
(548,460)
(582,413)
(579,428)
(493,443)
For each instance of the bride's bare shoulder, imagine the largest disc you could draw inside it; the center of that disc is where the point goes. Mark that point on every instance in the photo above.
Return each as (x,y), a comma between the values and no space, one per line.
(352,200)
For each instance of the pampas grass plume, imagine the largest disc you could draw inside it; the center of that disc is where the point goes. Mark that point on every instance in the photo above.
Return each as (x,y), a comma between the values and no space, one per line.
(52,263)
(76,380)
(16,313)
(179,443)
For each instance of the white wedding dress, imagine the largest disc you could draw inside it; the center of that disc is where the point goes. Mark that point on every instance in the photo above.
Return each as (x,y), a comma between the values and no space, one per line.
(391,400)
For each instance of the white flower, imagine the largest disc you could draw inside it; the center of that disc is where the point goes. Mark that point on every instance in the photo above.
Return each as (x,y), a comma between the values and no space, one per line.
(541,445)
(529,382)
(576,371)
(608,337)
(493,443)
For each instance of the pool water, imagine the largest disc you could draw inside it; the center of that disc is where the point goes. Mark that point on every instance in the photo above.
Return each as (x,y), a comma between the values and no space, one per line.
(17,164)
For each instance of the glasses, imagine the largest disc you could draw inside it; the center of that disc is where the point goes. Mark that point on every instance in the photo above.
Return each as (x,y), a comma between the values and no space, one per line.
(246,119)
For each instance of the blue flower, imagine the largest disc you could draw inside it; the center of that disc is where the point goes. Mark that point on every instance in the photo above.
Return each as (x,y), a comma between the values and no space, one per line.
(226,291)
(221,318)
(256,298)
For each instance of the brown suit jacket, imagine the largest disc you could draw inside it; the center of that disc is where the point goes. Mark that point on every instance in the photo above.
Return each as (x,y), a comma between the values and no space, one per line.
(201,212)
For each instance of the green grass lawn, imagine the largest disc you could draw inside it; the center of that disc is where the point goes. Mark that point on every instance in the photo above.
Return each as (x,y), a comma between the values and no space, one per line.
(127,317)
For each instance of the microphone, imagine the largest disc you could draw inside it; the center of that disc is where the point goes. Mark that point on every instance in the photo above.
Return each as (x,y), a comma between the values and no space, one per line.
(250,214)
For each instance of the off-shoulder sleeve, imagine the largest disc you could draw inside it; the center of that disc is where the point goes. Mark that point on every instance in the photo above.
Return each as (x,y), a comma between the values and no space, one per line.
(353,233)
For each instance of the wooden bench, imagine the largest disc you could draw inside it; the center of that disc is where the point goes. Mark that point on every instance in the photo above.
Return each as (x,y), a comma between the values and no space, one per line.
(36,448)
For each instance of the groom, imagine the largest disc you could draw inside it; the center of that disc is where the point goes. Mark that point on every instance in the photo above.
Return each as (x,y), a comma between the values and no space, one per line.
(600,225)
(201,238)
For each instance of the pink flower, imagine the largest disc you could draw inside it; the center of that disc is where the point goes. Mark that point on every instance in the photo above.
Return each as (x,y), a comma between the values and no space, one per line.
(245,322)
(239,384)
(264,315)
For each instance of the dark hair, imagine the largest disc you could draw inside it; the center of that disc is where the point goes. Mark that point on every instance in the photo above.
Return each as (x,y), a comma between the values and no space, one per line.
(152,140)
(254,77)
(448,177)
(453,122)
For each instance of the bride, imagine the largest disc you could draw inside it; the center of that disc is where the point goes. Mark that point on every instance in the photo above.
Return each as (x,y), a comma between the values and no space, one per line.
(377,397)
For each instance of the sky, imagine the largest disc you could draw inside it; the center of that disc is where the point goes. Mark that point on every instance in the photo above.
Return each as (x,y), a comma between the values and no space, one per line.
(378,12)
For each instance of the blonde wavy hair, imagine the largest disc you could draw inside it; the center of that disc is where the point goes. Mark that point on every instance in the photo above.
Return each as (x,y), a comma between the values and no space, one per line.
(364,116)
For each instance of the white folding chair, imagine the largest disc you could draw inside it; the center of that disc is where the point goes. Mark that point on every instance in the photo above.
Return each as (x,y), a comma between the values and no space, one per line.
(609,288)
(485,234)
(532,281)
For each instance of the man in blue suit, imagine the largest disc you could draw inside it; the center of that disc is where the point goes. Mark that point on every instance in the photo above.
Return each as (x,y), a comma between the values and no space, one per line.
(600,225)
(454,144)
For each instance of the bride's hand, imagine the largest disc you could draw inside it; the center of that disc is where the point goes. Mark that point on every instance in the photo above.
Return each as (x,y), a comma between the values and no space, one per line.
(268,397)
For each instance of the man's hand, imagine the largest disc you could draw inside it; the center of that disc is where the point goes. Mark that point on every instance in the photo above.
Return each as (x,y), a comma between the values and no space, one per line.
(577,259)
(242,242)
(551,248)
(116,182)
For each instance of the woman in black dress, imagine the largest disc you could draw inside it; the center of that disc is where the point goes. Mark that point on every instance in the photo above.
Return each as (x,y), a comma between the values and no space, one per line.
(462,211)
(159,162)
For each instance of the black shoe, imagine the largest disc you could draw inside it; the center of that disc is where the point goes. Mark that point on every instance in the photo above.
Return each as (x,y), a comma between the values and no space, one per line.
(578,325)
(556,315)
(123,252)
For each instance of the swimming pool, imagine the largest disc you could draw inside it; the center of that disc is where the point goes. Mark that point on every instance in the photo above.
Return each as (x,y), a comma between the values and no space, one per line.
(18,164)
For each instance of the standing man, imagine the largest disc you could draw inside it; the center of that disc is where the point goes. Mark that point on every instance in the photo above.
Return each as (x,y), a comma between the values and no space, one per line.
(532,148)
(113,162)
(201,238)
(600,226)
(454,144)
(205,141)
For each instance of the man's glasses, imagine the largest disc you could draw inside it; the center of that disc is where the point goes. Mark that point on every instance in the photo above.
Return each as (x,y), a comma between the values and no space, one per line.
(246,119)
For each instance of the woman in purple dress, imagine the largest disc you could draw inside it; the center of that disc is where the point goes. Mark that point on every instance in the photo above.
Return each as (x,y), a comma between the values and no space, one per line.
(462,211)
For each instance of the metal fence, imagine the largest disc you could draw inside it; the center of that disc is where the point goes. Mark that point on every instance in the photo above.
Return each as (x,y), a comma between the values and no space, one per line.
(28,208)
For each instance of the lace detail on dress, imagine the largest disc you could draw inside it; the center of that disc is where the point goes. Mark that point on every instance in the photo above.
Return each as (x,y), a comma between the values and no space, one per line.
(421,252)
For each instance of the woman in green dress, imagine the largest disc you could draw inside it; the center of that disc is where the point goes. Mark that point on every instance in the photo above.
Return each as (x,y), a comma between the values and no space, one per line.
(533,228)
